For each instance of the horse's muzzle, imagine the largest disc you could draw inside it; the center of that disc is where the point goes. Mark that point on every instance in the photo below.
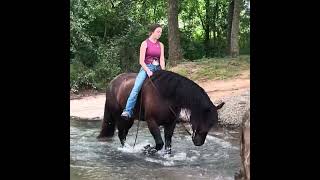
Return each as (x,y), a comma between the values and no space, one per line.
(198,139)
(197,142)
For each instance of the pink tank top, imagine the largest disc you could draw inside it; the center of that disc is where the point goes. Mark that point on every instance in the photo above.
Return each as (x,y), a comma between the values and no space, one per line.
(153,51)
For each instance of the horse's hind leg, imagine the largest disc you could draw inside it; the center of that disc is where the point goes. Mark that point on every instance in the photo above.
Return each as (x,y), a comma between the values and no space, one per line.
(107,129)
(155,131)
(168,132)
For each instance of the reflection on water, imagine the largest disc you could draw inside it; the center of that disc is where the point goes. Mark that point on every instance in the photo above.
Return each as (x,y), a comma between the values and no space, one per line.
(90,159)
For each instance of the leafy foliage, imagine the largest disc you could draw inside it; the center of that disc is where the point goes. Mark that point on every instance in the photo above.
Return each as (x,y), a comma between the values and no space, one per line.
(105,36)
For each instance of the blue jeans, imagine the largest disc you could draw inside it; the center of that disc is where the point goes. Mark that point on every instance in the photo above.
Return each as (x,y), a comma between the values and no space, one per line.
(142,75)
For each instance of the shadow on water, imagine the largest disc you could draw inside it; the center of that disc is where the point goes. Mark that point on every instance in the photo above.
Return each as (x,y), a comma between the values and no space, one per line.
(90,159)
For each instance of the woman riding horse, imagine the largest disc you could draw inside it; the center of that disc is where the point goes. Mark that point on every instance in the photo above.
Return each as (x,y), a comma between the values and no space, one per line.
(161,99)
(151,52)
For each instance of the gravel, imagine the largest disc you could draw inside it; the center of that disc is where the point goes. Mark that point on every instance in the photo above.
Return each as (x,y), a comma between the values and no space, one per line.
(231,114)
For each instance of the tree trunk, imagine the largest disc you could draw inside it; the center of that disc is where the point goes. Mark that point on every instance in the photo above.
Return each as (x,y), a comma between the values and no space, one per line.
(143,18)
(218,42)
(105,31)
(244,173)
(207,29)
(214,27)
(234,51)
(230,15)
(175,54)
(154,13)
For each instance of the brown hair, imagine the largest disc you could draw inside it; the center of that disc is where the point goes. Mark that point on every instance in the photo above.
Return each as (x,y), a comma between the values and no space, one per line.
(153,27)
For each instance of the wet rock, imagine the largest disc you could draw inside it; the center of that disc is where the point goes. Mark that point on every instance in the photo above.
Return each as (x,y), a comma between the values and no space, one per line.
(244,173)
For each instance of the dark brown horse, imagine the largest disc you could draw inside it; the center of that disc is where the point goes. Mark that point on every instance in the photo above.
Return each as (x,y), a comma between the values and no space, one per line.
(167,89)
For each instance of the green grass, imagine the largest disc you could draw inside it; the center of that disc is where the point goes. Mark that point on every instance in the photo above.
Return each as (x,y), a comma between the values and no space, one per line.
(213,68)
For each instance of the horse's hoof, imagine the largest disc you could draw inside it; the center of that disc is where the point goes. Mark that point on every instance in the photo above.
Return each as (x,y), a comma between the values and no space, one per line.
(167,151)
(152,151)
(147,147)
(122,143)
(149,150)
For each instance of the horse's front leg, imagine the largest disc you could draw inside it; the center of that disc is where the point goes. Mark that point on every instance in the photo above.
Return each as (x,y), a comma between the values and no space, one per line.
(168,132)
(123,129)
(155,131)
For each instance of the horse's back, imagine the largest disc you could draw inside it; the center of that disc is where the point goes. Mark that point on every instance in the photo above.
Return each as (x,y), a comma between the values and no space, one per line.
(120,87)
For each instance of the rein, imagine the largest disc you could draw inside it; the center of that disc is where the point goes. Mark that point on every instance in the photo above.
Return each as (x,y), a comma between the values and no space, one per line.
(138,120)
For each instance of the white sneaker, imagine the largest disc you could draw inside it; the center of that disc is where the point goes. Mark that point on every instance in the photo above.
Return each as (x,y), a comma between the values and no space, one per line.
(125,115)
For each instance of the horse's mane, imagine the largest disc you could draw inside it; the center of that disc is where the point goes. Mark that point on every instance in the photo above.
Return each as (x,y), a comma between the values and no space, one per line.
(181,91)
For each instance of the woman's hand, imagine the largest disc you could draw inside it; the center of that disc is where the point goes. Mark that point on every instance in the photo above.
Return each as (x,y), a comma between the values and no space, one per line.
(150,73)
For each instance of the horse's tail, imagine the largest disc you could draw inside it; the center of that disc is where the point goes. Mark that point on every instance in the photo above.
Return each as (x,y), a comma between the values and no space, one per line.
(220,105)
(108,122)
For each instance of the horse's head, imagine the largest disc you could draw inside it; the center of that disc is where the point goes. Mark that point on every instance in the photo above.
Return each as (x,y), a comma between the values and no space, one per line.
(202,123)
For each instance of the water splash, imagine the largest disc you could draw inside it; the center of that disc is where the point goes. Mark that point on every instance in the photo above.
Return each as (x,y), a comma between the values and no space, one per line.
(127,148)
(162,162)
(221,142)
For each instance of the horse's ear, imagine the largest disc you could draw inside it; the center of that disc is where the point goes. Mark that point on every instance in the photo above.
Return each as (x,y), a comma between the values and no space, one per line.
(220,105)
